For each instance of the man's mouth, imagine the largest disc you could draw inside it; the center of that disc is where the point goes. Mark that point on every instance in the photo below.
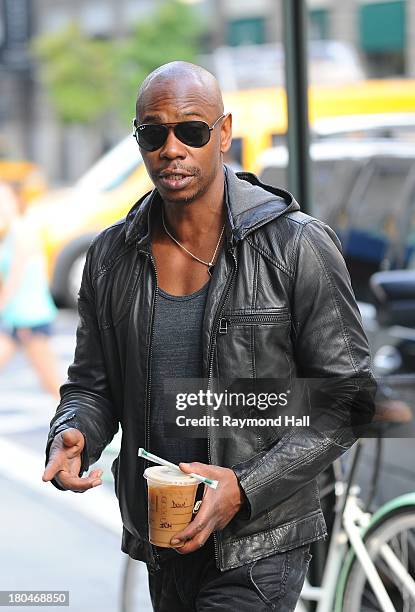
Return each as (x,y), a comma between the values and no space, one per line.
(172,179)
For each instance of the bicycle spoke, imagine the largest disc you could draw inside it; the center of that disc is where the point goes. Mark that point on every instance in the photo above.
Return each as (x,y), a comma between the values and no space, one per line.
(404,560)
(385,572)
(411,539)
(397,561)
(401,554)
(369,599)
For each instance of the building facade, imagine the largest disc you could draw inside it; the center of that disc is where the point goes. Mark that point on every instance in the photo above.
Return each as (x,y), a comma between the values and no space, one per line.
(383,32)
(28,125)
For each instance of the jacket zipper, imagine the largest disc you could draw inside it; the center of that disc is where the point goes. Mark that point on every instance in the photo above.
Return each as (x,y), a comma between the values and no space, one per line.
(148,398)
(150,349)
(251,319)
(211,349)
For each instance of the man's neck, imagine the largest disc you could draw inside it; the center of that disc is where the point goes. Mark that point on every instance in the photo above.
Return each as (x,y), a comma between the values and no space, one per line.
(197,227)
(196,221)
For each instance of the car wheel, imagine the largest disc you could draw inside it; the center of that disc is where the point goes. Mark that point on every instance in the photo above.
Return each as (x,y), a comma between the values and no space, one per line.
(67,274)
(75,277)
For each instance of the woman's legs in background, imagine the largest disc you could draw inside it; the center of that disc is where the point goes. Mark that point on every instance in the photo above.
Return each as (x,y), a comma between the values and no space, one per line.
(38,350)
(8,347)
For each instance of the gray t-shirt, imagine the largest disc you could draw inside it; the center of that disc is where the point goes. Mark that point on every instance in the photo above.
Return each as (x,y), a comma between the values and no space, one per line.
(176,353)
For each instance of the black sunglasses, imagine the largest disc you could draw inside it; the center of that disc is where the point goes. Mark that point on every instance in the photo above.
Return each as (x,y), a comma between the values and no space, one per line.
(152,136)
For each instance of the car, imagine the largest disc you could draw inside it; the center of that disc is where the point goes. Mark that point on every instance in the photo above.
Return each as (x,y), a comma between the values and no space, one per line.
(398,126)
(26,175)
(67,220)
(260,116)
(365,190)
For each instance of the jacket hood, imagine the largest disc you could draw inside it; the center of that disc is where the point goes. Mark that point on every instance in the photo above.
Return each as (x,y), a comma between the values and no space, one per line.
(249,203)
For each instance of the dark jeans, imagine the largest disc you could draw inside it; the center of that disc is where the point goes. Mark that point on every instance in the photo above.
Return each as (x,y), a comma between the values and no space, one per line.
(192,583)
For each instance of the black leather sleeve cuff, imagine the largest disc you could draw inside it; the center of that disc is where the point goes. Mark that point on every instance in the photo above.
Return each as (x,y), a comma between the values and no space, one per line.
(244,511)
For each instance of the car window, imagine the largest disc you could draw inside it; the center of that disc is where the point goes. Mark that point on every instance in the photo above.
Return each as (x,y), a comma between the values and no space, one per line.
(235,153)
(382,203)
(111,170)
(331,183)
(275,176)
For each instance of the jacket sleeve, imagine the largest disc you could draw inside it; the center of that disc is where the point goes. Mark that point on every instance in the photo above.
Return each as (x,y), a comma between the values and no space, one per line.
(86,402)
(331,352)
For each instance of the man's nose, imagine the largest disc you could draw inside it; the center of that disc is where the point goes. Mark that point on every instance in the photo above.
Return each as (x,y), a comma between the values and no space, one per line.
(173,148)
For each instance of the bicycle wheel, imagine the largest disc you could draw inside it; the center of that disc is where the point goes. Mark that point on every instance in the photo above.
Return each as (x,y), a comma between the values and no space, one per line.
(397,530)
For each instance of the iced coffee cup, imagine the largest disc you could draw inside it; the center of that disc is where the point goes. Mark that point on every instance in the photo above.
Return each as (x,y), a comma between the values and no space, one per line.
(171,498)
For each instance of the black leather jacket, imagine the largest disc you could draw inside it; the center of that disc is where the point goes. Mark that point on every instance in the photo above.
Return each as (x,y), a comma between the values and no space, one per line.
(277,263)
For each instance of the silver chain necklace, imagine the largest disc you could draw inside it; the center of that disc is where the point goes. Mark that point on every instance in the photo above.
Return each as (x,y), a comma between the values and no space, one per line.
(210,263)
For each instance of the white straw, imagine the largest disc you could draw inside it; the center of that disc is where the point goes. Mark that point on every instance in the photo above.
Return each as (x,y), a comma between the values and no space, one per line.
(150,457)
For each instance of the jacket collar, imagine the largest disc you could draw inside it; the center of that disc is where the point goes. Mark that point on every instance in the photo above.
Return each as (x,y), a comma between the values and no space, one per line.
(249,205)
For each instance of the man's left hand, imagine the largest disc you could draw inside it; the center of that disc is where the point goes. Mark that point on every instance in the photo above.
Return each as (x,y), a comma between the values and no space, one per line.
(218,507)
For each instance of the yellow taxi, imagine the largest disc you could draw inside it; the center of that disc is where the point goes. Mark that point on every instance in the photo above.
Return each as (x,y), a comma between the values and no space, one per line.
(67,220)
(260,115)
(26,175)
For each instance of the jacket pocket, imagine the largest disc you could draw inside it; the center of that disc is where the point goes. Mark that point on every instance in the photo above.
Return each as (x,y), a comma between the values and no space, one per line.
(253,318)
(254,344)
(268,577)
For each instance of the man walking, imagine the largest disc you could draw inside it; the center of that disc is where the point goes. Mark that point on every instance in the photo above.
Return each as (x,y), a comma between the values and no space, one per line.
(210,275)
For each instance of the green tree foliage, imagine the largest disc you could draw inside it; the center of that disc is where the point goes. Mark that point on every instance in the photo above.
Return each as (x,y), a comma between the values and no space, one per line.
(87,78)
(77,72)
(172,33)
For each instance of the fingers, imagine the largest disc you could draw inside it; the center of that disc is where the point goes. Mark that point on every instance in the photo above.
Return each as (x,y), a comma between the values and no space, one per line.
(79,485)
(218,507)
(72,437)
(66,445)
(203,469)
(196,533)
(193,540)
(52,468)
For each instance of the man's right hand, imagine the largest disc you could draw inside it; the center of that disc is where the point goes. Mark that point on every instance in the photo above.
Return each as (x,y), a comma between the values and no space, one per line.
(65,462)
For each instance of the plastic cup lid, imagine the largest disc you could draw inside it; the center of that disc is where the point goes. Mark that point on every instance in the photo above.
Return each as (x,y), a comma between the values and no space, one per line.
(165,475)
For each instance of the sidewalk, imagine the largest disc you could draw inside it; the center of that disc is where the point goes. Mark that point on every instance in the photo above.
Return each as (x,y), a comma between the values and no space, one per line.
(45,546)
(53,540)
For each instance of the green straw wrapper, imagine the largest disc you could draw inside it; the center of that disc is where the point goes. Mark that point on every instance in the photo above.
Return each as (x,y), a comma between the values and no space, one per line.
(155,459)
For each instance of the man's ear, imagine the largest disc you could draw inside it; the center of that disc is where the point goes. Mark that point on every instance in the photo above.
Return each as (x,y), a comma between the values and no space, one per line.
(226,133)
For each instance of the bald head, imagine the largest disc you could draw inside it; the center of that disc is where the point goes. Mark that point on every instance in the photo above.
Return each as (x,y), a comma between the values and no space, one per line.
(182,158)
(178,77)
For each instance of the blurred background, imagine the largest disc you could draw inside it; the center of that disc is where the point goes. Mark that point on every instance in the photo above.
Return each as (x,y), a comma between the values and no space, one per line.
(69,73)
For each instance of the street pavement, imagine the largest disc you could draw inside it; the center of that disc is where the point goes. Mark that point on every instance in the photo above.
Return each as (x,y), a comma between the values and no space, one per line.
(54,540)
